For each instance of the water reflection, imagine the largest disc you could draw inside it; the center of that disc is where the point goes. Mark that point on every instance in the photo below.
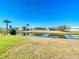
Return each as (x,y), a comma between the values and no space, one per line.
(48,36)
(36,34)
(71,37)
(45,35)
(40,35)
(24,34)
(68,36)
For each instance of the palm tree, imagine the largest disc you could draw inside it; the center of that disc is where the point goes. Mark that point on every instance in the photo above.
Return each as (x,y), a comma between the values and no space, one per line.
(7,22)
(27,24)
(27,27)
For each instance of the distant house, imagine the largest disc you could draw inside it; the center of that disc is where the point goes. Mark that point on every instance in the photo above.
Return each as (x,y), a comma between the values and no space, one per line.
(39,28)
(74,29)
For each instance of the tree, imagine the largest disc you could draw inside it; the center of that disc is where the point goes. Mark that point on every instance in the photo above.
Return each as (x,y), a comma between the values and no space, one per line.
(63,27)
(27,27)
(10,27)
(24,28)
(16,28)
(7,22)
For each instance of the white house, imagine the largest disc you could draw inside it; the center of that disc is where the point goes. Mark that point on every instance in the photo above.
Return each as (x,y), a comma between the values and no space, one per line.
(74,29)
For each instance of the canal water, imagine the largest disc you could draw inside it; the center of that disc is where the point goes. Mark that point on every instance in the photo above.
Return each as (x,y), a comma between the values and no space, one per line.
(71,37)
(48,36)
(39,35)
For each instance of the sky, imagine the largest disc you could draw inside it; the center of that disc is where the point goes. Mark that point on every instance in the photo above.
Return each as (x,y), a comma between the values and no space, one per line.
(40,13)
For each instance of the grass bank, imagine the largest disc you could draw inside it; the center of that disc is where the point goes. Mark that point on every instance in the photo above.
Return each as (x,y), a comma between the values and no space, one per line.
(26,47)
(7,42)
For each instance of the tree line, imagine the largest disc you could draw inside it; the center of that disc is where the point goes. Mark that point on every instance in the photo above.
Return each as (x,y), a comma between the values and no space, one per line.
(27,27)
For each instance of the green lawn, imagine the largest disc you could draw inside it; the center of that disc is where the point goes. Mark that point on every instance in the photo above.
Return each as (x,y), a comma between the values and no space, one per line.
(26,47)
(8,41)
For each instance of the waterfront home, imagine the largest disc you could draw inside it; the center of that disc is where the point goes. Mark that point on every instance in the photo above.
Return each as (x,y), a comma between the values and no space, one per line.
(74,29)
